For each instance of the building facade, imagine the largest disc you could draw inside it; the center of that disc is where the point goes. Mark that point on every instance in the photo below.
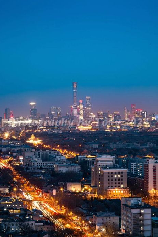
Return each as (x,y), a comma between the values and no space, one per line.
(151,177)
(135,217)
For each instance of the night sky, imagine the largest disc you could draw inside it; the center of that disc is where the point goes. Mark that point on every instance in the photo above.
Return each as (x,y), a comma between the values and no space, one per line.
(109,47)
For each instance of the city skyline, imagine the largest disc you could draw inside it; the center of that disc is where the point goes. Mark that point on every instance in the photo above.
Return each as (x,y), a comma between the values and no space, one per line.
(44,103)
(108,48)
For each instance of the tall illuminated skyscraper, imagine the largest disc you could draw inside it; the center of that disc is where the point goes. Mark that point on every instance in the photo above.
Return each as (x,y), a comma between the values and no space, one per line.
(133,111)
(126,113)
(88,107)
(74,107)
(80,110)
(33,110)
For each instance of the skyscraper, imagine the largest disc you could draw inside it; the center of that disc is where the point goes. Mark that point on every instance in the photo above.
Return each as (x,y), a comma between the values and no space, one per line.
(7,113)
(11,114)
(80,110)
(88,107)
(126,114)
(33,110)
(74,107)
(133,111)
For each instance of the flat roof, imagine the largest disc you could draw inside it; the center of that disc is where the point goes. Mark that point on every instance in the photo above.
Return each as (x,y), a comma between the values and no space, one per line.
(113,170)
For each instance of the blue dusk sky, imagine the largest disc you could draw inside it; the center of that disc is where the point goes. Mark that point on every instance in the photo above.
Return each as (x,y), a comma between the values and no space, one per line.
(110,48)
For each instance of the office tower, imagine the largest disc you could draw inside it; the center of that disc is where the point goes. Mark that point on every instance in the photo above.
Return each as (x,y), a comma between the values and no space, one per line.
(135,217)
(80,110)
(88,101)
(33,110)
(7,113)
(11,114)
(133,111)
(74,107)
(1,119)
(151,176)
(126,113)
(88,107)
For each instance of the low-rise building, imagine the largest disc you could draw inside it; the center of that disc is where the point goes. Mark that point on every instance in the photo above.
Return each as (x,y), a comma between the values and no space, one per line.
(8,202)
(16,224)
(74,187)
(63,168)
(4,189)
(105,220)
(37,159)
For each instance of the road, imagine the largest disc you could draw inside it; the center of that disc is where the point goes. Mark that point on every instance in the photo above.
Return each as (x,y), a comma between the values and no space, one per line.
(60,216)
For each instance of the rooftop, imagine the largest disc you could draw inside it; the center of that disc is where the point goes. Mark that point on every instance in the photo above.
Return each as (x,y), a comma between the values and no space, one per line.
(105,214)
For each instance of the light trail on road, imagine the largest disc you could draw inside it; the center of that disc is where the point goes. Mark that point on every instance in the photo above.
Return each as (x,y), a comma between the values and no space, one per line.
(70,221)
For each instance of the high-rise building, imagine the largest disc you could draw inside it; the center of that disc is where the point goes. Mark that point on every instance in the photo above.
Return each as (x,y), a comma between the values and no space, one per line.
(33,110)
(88,107)
(7,113)
(74,107)
(151,177)
(80,110)
(11,114)
(133,111)
(135,217)
(1,119)
(126,113)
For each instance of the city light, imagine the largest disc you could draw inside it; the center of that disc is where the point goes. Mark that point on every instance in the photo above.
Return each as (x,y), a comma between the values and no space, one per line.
(6,135)
(35,141)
